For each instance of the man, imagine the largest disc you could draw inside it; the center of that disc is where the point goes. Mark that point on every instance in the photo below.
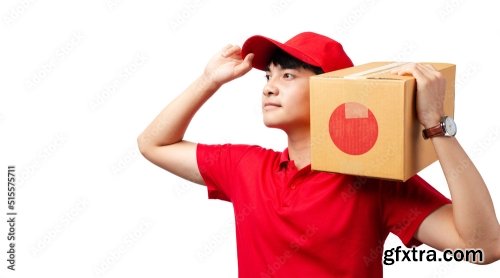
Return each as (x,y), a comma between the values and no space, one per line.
(295,222)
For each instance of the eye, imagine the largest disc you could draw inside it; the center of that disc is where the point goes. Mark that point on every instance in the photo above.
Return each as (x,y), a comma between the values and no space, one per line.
(288,75)
(268,76)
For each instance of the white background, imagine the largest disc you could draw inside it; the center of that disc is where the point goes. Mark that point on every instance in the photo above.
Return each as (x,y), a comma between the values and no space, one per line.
(79,80)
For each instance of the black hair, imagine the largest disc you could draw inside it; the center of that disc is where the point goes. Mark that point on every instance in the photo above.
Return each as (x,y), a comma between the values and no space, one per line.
(287,61)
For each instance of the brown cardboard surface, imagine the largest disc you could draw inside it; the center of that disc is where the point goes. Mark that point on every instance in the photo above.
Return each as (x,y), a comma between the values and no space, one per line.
(367,125)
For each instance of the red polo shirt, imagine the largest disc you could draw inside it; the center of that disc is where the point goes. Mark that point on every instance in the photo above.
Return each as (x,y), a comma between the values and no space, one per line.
(304,223)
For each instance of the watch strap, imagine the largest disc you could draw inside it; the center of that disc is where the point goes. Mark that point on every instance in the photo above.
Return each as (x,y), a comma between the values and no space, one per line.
(434,131)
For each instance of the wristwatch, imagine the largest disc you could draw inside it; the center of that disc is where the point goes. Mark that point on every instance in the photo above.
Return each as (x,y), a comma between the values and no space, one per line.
(446,127)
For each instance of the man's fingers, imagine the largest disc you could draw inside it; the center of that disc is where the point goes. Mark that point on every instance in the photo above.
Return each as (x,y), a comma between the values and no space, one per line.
(230,50)
(401,70)
(409,69)
(249,58)
(427,71)
(414,69)
(225,49)
(429,66)
(245,65)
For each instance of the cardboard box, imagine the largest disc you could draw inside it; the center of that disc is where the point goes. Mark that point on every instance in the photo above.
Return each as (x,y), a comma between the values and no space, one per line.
(364,122)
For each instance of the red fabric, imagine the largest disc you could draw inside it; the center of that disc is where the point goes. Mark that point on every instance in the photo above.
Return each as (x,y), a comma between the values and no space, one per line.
(305,223)
(309,47)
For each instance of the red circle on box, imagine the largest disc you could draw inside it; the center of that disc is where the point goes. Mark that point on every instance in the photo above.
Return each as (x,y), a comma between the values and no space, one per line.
(353,128)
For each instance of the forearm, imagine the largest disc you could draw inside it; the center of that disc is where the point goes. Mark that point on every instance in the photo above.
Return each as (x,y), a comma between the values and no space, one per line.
(473,210)
(171,124)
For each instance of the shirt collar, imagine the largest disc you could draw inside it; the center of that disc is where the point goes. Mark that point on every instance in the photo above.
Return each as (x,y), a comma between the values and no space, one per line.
(284,159)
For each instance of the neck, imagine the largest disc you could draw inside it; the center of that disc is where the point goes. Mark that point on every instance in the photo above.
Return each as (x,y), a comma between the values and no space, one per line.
(299,147)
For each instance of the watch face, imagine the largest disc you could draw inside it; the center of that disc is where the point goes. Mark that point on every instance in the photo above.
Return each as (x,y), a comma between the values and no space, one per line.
(450,127)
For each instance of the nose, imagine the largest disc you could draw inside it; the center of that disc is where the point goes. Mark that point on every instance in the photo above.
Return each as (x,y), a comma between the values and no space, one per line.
(270,89)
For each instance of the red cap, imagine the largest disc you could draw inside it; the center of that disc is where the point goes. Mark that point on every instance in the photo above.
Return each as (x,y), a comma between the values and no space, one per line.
(309,47)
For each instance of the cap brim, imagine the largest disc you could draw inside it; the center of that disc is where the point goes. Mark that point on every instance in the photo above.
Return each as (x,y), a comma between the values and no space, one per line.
(263,48)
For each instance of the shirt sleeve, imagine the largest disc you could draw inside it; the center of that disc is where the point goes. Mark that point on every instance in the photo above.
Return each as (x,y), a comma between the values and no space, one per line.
(218,165)
(407,204)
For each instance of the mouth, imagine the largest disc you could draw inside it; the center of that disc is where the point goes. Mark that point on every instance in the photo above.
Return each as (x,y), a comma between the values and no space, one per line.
(270,105)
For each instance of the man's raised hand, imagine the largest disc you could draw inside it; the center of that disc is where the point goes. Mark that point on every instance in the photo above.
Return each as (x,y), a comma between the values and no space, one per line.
(227,65)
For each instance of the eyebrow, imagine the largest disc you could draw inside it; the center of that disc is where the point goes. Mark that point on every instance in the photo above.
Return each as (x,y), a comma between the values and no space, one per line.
(267,68)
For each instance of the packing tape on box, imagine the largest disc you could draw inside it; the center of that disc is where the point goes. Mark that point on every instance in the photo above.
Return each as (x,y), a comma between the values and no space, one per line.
(354,110)
(378,70)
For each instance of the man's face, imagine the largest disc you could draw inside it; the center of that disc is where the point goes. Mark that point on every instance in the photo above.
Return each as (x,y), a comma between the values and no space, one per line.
(285,99)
